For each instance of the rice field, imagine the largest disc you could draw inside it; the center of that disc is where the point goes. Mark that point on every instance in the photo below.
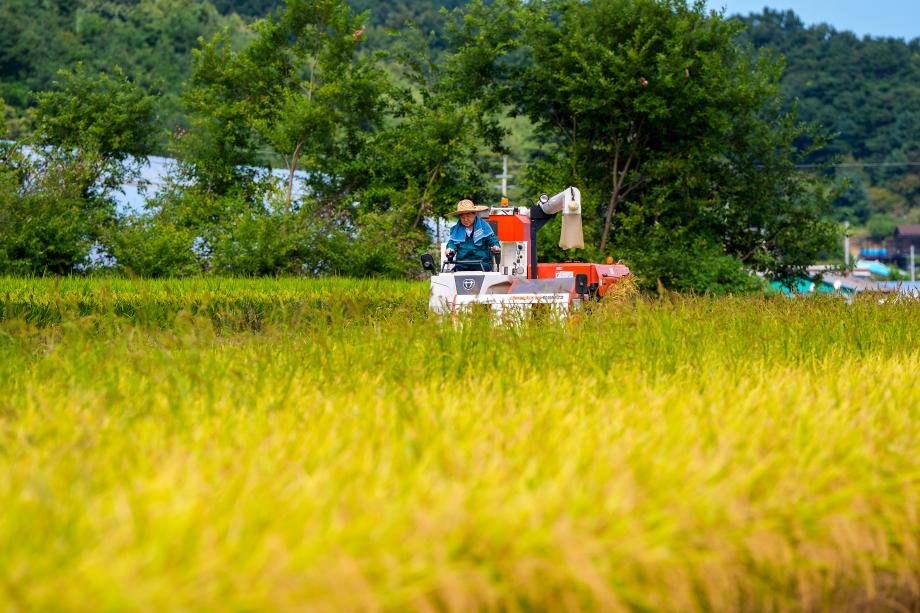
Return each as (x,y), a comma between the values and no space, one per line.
(326,445)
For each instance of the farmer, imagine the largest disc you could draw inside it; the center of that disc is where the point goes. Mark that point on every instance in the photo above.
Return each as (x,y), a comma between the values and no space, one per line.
(471,238)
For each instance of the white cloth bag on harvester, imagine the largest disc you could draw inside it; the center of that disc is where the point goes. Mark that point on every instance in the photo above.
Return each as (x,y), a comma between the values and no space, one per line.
(572,236)
(567,202)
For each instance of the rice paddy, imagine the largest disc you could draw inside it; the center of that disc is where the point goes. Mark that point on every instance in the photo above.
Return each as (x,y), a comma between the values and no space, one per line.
(329,446)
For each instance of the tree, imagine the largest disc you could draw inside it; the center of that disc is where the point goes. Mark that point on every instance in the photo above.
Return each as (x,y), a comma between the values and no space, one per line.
(428,156)
(377,159)
(881,226)
(652,103)
(625,82)
(389,17)
(425,158)
(852,204)
(55,197)
(150,39)
(299,89)
(13,125)
(105,117)
(299,93)
(249,8)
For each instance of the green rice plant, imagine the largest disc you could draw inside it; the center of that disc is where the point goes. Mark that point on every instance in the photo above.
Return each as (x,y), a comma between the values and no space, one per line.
(326,445)
(248,302)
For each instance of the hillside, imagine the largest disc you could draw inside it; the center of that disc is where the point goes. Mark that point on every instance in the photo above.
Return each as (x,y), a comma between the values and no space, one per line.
(151,39)
(866,93)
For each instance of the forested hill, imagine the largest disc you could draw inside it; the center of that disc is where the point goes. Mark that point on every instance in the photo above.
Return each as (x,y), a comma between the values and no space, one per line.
(865,90)
(151,39)
(386,15)
(859,87)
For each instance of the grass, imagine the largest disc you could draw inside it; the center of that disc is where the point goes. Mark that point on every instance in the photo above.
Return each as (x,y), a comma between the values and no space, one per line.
(290,444)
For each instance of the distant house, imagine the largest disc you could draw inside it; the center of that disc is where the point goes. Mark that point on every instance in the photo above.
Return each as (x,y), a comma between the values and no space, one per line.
(905,236)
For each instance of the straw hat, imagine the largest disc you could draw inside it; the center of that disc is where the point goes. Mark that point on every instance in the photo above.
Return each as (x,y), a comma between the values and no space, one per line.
(467,206)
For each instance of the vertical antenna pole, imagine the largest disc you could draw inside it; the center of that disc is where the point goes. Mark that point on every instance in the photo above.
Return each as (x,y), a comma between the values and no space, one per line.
(846,244)
(913,276)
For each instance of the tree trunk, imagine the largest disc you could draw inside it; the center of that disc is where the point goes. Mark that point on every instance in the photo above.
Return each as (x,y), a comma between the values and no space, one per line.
(422,209)
(425,205)
(292,168)
(618,178)
(611,209)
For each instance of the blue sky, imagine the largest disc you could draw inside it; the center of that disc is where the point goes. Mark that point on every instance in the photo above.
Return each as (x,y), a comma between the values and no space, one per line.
(897,18)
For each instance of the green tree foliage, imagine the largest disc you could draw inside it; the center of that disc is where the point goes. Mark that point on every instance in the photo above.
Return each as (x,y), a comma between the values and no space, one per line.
(105,118)
(150,39)
(378,159)
(299,90)
(652,105)
(428,156)
(248,8)
(47,225)
(389,14)
(298,93)
(13,124)
(56,196)
(188,230)
(863,90)
(881,225)
(35,41)
(389,19)
(852,204)
(676,133)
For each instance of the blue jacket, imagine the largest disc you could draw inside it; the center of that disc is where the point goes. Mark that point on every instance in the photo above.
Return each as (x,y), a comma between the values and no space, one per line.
(473,249)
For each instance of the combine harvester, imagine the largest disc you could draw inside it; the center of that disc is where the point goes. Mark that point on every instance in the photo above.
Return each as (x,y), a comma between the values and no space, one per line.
(518,281)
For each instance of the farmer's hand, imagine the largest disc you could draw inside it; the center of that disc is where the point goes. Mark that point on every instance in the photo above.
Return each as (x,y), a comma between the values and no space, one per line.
(449,251)
(496,249)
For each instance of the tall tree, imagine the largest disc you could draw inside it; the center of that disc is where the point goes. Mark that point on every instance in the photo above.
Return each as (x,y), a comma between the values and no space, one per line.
(429,154)
(150,39)
(92,131)
(301,94)
(299,89)
(653,104)
(622,83)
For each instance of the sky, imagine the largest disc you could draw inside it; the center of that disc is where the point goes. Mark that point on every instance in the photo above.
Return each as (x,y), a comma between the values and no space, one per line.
(895,18)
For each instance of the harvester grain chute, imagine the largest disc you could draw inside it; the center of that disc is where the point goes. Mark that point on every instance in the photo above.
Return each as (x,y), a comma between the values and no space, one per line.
(518,280)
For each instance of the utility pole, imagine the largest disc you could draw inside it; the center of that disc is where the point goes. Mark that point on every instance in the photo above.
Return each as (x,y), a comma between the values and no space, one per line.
(504,176)
(846,244)
(913,276)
